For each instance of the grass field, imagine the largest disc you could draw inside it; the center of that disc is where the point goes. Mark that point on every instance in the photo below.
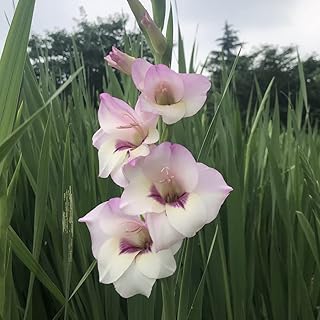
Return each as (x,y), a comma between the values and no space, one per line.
(259,260)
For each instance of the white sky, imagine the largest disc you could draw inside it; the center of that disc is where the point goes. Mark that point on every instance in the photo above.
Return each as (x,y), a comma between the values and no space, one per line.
(280,22)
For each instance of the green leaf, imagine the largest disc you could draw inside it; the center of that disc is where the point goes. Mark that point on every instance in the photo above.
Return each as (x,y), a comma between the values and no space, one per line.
(12,139)
(22,252)
(40,212)
(12,65)
(159,12)
(210,132)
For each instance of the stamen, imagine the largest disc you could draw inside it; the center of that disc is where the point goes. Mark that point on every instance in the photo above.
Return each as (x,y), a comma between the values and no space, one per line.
(167,179)
(133,125)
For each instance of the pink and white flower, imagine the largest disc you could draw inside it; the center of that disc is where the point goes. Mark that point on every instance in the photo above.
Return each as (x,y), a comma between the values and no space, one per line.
(174,191)
(120,60)
(167,93)
(125,134)
(124,250)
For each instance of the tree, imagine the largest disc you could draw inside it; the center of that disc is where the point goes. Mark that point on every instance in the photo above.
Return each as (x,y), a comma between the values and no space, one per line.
(260,67)
(92,39)
(229,44)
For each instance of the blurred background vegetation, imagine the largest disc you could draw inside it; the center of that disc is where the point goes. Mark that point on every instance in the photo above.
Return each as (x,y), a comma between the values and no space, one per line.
(95,39)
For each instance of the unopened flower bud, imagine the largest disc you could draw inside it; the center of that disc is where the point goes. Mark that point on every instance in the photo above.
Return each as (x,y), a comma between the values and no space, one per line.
(119,60)
(157,39)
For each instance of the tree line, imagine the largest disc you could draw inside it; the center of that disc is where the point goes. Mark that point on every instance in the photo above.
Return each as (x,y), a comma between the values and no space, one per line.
(254,70)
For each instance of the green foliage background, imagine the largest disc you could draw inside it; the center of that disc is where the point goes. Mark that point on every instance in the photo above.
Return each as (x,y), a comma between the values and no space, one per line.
(259,260)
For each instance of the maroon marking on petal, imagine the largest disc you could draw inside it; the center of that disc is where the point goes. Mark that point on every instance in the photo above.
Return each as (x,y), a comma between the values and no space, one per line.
(154,194)
(181,201)
(123,145)
(127,247)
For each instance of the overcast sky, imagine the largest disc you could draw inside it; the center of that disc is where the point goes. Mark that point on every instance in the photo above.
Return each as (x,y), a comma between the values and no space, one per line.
(280,22)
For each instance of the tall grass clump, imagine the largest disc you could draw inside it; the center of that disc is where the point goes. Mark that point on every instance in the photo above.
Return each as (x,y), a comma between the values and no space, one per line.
(259,260)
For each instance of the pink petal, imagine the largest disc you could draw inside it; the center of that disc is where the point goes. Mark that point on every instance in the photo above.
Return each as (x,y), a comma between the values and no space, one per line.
(158,159)
(160,75)
(92,219)
(114,113)
(163,235)
(189,218)
(212,189)
(103,223)
(184,167)
(134,282)
(138,72)
(196,87)
(149,119)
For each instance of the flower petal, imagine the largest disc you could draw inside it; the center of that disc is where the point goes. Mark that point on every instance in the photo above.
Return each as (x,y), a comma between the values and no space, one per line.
(134,282)
(189,218)
(163,235)
(115,113)
(93,220)
(138,72)
(152,137)
(148,119)
(156,265)
(112,264)
(184,167)
(136,200)
(196,87)
(141,151)
(173,113)
(109,158)
(105,221)
(158,159)
(162,76)
(118,177)
(99,138)
(212,189)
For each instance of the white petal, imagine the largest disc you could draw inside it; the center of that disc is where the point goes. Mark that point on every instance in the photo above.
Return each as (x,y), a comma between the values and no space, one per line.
(173,113)
(134,282)
(136,200)
(141,151)
(156,265)
(112,264)
(188,219)
(118,177)
(153,136)
(99,138)
(109,159)
(175,248)
(170,113)
(163,235)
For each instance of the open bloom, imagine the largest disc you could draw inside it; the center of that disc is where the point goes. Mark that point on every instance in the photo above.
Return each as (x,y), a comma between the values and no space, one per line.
(124,250)
(120,60)
(125,134)
(175,191)
(167,93)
